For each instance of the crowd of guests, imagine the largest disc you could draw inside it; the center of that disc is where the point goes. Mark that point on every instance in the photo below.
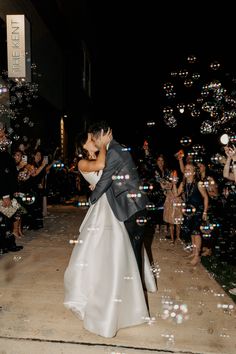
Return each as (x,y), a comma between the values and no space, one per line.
(29,180)
(23,190)
(193,200)
(187,195)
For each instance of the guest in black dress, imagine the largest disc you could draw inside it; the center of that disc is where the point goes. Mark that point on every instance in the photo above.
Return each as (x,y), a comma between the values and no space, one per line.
(8,186)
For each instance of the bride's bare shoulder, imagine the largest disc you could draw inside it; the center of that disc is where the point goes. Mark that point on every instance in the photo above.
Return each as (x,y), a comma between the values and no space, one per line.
(83,166)
(89,165)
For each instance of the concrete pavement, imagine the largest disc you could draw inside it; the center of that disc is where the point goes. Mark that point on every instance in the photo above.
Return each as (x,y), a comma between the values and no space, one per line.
(190,313)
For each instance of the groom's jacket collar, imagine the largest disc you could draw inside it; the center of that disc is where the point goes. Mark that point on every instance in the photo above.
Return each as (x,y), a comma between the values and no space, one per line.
(111,143)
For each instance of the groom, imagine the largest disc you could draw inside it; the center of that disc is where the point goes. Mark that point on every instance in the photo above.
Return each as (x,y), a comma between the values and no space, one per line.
(121,183)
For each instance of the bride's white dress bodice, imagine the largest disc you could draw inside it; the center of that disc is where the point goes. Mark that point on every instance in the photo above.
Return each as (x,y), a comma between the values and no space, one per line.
(92,177)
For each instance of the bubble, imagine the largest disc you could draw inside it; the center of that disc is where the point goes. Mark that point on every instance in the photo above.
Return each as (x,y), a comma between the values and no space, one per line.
(181,107)
(192,59)
(183,73)
(207,127)
(215,65)
(185,141)
(26,120)
(195,76)
(188,82)
(170,121)
(28,199)
(141,221)
(188,210)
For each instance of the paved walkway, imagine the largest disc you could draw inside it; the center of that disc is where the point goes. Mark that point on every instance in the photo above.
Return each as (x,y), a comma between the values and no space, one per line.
(190,313)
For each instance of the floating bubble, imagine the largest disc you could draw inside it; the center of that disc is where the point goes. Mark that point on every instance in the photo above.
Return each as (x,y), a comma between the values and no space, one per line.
(28,199)
(188,209)
(185,141)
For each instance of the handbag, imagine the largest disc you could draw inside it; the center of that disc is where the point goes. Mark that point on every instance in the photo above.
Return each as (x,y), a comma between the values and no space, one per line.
(9,211)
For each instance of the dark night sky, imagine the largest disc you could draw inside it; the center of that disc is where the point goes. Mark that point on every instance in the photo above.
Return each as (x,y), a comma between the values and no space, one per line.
(135,46)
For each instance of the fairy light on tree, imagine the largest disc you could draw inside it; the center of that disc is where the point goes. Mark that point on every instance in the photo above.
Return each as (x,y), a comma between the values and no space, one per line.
(17,108)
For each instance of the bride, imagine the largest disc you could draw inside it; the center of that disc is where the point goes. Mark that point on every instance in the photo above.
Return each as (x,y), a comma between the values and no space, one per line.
(102,283)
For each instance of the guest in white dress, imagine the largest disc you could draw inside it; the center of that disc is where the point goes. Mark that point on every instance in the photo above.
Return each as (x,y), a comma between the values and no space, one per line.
(102,282)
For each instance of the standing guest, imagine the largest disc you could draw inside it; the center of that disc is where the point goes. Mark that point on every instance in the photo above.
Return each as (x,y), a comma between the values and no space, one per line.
(36,186)
(229,171)
(8,186)
(162,174)
(173,214)
(208,182)
(195,210)
(146,162)
(180,156)
(20,167)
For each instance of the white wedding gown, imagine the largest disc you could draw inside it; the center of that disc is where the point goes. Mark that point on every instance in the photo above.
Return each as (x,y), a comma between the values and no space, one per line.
(102,282)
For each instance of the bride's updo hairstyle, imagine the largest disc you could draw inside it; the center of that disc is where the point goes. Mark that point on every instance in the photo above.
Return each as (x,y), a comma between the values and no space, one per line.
(81,140)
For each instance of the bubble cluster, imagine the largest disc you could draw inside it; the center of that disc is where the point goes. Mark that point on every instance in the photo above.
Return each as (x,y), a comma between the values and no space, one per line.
(210,98)
(155,269)
(174,311)
(16,106)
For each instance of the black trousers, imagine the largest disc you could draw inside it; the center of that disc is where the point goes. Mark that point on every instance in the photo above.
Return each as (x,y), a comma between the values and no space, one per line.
(7,239)
(136,227)
(34,216)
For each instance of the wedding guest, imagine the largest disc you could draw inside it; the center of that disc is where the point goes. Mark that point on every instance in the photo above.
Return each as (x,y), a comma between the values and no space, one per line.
(195,210)
(229,171)
(208,181)
(173,214)
(161,183)
(8,186)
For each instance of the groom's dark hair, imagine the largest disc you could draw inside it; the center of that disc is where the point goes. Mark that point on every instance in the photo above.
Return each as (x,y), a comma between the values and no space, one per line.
(96,127)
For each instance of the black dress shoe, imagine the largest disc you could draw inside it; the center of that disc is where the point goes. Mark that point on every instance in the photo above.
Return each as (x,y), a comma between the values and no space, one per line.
(37,227)
(3,250)
(15,248)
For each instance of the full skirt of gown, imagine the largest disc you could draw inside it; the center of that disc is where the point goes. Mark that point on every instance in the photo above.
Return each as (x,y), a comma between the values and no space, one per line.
(173,209)
(102,282)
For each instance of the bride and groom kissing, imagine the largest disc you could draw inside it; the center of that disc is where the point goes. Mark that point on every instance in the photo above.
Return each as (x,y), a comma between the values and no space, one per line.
(109,266)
